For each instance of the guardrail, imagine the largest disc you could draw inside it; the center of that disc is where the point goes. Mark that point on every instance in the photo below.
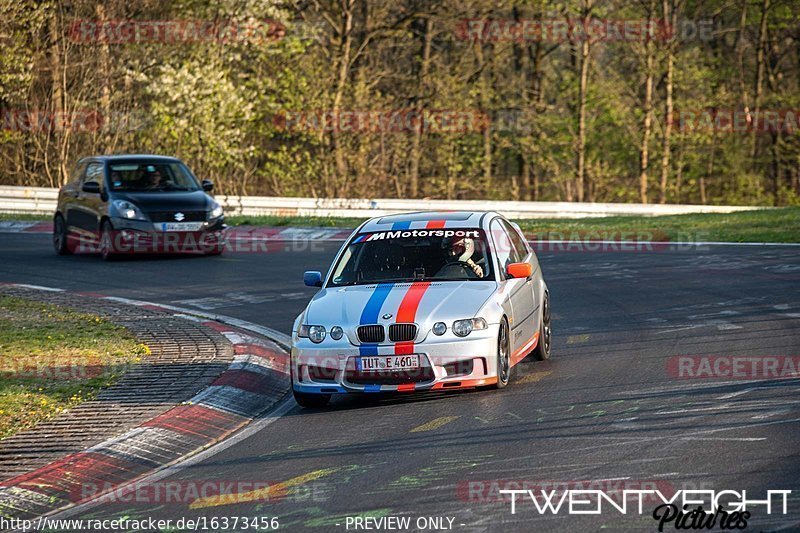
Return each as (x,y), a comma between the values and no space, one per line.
(42,200)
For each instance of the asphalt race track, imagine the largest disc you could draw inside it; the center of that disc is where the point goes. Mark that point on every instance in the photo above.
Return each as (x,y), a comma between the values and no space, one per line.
(605,409)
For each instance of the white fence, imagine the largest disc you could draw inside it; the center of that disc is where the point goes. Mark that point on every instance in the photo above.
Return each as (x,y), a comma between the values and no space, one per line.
(41,200)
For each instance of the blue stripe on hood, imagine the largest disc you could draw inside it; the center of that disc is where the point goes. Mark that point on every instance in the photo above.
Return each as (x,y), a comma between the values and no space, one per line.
(370,314)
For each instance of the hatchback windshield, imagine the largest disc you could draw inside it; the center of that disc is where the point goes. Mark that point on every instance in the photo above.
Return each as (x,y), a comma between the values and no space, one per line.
(151,176)
(410,255)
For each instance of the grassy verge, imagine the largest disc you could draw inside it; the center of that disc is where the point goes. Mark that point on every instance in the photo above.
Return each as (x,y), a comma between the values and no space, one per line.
(54,358)
(772,225)
(22,217)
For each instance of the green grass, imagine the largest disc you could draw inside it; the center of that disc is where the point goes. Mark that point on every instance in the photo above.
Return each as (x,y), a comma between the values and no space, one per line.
(21,217)
(767,225)
(770,225)
(54,358)
(310,222)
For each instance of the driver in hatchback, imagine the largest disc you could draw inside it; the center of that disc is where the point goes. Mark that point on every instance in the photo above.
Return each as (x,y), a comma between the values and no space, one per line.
(462,250)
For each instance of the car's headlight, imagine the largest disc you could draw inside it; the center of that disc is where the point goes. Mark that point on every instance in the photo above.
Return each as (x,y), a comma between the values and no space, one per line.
(215,212)
(315,333)
(440,328)
(336,333)
(464,327)
(125,209)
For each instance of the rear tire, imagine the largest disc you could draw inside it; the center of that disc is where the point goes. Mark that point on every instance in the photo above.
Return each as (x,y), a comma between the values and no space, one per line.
(503,356)
(311,400)
(60,242)
(107,248)
(542,350)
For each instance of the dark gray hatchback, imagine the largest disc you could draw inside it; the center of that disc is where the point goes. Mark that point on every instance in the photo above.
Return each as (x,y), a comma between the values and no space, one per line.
(125,204)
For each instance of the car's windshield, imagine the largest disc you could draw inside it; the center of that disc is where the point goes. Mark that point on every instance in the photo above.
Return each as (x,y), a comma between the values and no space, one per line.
(147,176)
(409,255)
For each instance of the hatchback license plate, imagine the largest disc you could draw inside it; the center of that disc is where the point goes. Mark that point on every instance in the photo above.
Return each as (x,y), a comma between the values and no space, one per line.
(387,362)
(179,226)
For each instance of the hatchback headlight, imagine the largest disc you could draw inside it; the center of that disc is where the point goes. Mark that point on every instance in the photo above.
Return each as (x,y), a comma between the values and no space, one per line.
(216,211)
(464,327)
(126,209)
(440,328)
(336,333)
(315,333)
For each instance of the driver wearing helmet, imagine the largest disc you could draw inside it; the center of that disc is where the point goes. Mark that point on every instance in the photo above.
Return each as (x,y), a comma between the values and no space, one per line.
(461,250)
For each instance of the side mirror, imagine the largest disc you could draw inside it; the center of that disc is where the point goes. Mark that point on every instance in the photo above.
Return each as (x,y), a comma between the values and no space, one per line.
(519,270)
(91,187)
(312,278)
(208,185)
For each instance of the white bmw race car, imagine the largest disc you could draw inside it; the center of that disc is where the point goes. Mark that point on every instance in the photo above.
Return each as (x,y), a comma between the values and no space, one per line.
(421,301)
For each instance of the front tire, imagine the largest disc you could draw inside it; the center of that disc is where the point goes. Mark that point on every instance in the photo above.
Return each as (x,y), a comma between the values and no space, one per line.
(542,350)
(107,248)
(311,400)
(503,356)
(60,243)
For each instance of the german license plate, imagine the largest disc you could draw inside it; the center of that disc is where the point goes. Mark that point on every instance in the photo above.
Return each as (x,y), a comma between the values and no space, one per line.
(387,362)
(179,226)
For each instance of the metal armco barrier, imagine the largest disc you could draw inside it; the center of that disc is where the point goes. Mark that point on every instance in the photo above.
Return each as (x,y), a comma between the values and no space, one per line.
(42,200)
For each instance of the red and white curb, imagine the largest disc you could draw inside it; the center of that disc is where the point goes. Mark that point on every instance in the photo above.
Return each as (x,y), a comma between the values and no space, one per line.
(256,380)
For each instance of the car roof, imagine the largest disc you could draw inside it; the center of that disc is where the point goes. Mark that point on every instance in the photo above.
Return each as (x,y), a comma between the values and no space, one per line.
(426,219)
(126,157)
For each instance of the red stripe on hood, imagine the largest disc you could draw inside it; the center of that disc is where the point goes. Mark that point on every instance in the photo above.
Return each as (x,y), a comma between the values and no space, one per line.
(407,312)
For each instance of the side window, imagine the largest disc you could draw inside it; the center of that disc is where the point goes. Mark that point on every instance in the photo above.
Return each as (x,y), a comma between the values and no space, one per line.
(77,173)
(94,173)
(519,244)
(506,253)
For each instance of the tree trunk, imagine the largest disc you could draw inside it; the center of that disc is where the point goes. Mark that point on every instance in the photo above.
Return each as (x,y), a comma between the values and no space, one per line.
(776,166)
(759,81)
(580,163)
(740,60)
(487,132)
(666,147)
(105,87)
(647,105)
(709,168)
(58,104)
(422,83)
(346,43)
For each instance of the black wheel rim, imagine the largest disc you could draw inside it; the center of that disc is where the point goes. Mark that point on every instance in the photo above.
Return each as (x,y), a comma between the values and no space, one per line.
(546,331)
(502,354)
(105,242)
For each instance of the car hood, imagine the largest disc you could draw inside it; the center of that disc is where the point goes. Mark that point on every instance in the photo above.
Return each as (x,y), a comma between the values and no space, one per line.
(440,301)
(167,201)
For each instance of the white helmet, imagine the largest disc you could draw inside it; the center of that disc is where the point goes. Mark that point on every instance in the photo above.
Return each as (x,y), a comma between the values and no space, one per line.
(463,248)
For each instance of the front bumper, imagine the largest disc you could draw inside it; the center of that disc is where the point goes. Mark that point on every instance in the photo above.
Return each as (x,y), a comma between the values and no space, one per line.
(444,364)
(139,237)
